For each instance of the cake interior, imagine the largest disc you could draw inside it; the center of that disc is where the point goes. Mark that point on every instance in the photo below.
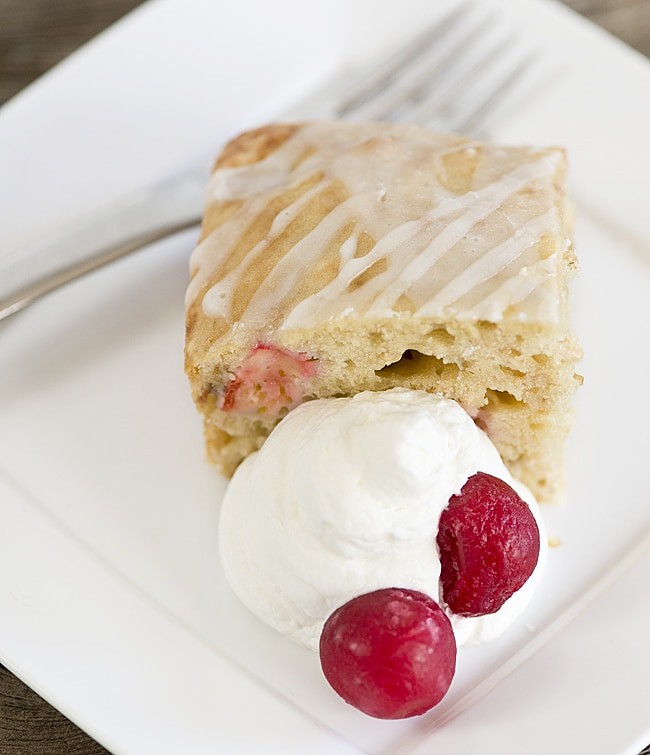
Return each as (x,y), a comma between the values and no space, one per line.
(501,378)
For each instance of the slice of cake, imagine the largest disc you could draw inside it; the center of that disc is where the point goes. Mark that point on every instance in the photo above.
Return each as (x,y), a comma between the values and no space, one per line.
(341,257)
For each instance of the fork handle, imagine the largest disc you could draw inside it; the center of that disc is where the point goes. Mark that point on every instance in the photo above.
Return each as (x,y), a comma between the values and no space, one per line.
(164,210)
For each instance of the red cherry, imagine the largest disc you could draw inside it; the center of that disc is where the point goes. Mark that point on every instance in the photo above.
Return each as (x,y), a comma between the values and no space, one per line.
(488,542)
(390,653)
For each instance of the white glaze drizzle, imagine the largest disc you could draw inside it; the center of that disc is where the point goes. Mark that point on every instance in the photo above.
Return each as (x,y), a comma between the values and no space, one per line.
(420,227)
(485,266)
(302,257)
(218,299)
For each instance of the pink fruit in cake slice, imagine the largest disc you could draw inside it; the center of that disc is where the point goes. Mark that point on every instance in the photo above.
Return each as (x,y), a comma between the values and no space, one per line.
(269,382)
(390,653)
(488,542)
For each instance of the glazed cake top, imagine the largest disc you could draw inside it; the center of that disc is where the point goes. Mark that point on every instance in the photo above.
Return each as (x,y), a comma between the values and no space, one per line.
(336,219)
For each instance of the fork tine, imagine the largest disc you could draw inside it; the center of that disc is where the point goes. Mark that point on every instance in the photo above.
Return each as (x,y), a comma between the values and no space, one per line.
(417,85)
(430,106)
(378,79)
(480,112)
(392,97)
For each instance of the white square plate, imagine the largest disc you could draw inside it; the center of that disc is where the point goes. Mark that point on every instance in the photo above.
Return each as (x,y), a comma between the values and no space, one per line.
(112,600)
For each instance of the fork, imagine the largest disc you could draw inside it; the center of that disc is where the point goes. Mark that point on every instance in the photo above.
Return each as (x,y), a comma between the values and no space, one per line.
(443,77)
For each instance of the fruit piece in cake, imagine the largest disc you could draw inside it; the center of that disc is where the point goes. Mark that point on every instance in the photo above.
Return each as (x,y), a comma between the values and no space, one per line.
(390,653)
(269,382)
(394,256)
(488,542)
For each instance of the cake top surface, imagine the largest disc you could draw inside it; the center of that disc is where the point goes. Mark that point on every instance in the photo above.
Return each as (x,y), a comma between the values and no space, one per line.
(329,220)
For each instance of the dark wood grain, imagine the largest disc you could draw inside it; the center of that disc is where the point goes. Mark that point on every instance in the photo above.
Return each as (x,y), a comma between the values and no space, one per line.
(37,34)
(34,36)
(29,726)
(627,19)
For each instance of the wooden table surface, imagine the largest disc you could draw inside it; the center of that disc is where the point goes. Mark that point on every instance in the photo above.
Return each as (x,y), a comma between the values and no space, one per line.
(34,36)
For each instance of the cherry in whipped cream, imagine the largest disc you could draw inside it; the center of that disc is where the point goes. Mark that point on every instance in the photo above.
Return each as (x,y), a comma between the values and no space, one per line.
(488,542)
(390,653)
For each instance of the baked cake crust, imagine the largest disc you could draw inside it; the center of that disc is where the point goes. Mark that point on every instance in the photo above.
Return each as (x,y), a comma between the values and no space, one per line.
(338,257)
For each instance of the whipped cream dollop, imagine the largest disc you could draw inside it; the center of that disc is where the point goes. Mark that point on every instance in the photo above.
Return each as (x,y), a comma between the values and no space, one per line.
(344,498)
